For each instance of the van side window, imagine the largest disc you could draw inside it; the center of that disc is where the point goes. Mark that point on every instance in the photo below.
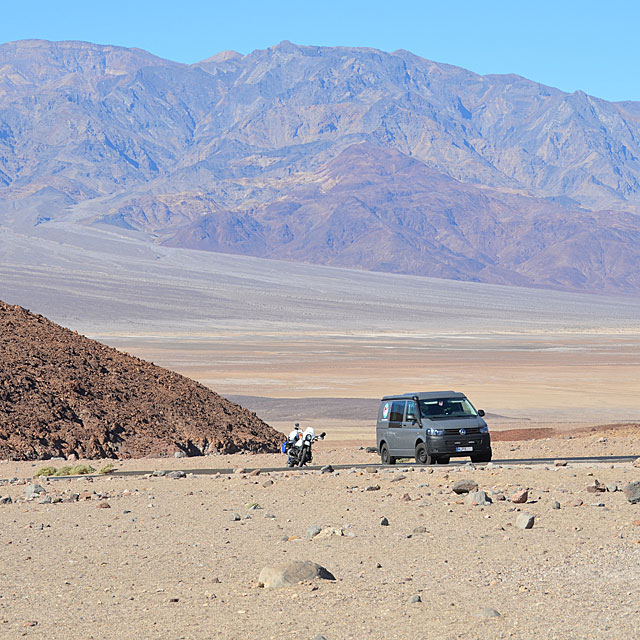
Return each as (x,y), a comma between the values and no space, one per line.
(397,411)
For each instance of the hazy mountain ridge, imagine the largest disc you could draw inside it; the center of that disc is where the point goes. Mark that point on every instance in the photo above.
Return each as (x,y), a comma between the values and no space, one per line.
(241,154)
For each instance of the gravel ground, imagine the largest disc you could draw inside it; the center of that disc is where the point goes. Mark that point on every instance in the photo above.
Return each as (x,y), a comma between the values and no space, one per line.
(167,559)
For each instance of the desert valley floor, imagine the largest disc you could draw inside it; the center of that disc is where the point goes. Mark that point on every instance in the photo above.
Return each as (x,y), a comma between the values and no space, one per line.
(168,559)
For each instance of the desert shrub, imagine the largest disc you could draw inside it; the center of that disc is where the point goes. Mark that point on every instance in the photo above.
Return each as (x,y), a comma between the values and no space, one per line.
(108,468)
(45,471)
(79,470)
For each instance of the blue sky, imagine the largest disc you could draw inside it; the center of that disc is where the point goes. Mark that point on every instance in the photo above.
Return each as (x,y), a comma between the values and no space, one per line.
(588,45)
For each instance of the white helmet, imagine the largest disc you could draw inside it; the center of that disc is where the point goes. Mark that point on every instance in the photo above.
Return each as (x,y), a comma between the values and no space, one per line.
(309,432)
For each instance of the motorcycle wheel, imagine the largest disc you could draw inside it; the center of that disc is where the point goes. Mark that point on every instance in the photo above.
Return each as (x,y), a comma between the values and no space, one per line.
(303,459)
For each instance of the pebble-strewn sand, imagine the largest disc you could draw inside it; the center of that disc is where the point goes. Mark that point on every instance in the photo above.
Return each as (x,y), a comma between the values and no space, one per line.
(166,560)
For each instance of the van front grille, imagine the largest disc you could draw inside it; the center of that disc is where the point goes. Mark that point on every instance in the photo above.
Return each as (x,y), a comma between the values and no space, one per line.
(456,432)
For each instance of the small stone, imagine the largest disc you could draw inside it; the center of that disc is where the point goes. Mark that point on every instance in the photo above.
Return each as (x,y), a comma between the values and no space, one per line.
(479,498)
(327,469)
(406,498)
(6,500)
(267,483)
(291,573)
(632,492)
(239,470)
(329,532)
(159,473)
(555,505)
(384,522)
(72,457)
(520,497)
(269,516)
(371,450)
(636,463)
(313,531)
(33,491)
(235,517)
(179,454)
(414,599)
(420,530)
(371,470)
(372,487)
(560,463)
(103,505)
(596,487)
(464,486)
(175,475)
(319,637)
(398,478)
(45,500)
(487,612)
(254,473)
(612,487)
(525,521)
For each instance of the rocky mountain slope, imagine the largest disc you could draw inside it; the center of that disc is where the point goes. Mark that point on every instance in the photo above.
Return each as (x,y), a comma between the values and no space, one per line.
(489,178)
(61,393)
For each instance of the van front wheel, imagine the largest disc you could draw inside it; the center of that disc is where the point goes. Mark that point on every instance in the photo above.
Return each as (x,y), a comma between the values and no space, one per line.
(385,456)
(422,457)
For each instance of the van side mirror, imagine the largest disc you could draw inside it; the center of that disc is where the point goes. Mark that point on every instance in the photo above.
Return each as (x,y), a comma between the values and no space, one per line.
(411,417)
(481,413)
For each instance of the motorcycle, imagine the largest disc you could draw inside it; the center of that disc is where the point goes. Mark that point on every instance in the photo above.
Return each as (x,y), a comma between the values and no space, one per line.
(300,450)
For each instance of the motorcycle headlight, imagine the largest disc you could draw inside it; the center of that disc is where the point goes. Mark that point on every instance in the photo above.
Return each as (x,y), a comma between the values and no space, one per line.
(484,429)
(435,432)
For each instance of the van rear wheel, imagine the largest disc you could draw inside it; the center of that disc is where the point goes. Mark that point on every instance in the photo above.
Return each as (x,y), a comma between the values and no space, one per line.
(385,456)
(422,457)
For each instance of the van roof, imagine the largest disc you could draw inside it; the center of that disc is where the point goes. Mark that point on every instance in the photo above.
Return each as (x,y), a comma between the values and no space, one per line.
(427,395)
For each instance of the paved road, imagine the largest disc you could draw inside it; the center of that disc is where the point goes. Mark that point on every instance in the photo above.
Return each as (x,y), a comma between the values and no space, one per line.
(454,463)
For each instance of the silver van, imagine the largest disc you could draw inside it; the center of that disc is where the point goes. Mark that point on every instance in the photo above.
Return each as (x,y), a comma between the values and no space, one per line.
(431,426)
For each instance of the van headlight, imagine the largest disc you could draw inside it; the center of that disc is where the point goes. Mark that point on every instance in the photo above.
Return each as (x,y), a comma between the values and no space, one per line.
(484,429)
(435,432)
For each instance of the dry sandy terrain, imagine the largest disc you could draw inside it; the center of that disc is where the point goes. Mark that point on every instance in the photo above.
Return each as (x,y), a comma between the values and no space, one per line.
(149,566)
(167,561)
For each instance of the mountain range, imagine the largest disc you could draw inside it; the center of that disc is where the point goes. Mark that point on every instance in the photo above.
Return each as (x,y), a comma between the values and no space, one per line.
(340,156)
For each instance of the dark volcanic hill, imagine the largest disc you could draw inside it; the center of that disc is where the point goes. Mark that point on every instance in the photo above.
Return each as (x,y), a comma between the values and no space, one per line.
(236,154)
(61,393)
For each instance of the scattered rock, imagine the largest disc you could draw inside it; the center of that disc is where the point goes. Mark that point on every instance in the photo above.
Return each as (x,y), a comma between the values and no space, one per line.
(632,492)
(596,487)
(372,487)
(555,505)
(520,497)
(406,498)
(479,498)
(636,463)
(235,517)
(487,612)
(612,487)
(267,483)
(239,470)
(384,522)
(313,531)
(420,530)
(329,532)
(179,454)
(45,500)
(159,473)
(465,486)
(254,473)
(398,478)
(327,469)
(269,516)
(291,573)
(318,637)
(374,450)
(33,491)
(6,500)
(560,463)
(525,521)
(414,599)
(175,475)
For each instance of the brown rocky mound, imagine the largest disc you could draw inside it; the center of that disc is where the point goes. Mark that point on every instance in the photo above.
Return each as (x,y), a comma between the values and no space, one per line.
(62,393)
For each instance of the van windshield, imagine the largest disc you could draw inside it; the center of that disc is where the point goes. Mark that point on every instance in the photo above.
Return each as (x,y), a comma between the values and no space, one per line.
(446,408)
